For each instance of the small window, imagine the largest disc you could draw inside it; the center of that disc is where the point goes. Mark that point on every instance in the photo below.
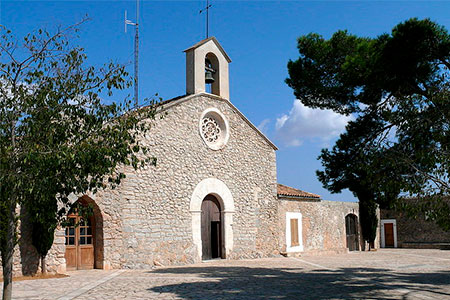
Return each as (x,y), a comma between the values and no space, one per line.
(70,234)
(70,241)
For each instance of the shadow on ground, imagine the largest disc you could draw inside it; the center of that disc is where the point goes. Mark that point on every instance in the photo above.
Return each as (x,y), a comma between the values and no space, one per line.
(295,283)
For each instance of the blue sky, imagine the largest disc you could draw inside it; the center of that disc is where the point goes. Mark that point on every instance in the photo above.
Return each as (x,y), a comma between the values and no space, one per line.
(259,36)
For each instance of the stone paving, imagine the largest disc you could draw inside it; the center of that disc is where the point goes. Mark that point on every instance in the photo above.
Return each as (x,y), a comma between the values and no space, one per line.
(385,274)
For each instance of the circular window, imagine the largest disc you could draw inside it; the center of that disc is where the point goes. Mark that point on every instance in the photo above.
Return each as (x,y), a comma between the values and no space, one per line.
(214,128)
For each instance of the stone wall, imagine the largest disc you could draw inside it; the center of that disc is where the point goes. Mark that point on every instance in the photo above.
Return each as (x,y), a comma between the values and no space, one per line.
(411,232)
(323,224)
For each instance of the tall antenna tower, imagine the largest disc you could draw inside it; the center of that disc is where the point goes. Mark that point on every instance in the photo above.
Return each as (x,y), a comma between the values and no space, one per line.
(136,52)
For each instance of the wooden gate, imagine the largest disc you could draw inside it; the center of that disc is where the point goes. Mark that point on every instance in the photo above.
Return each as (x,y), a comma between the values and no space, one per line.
(351,229)
(79,240)
(211,228)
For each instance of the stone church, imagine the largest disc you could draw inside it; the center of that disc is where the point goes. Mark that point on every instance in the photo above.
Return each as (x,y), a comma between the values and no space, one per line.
(213,194)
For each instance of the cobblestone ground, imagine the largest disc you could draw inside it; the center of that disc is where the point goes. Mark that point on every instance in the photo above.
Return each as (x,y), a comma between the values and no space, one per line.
(384,274)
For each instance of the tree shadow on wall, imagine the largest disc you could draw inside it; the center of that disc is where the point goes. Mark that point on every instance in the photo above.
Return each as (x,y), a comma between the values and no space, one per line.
(212,282)
(29,256)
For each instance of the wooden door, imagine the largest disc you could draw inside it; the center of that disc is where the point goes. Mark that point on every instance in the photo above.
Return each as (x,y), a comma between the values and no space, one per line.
(79,240)
(211,228)
(351,229)
(71,248)
(389,234)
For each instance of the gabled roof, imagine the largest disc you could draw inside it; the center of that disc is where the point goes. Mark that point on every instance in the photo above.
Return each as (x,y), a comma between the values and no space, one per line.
(290,192)
(180,99)
(215,42)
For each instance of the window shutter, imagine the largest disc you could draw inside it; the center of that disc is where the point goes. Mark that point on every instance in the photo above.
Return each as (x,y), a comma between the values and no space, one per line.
(294,233)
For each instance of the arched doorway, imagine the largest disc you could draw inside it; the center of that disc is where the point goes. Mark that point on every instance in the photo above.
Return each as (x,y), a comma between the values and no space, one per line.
(84,237)
(351,230)
(212,232)
(212,186)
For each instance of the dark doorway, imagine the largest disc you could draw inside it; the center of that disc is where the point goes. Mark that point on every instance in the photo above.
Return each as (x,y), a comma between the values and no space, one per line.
(351,229)
(211,228)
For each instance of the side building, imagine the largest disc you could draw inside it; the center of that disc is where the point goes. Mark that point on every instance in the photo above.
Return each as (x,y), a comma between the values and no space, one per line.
(309,225)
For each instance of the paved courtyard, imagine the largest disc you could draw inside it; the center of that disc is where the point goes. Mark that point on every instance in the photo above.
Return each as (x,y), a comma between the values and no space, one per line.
(384,274)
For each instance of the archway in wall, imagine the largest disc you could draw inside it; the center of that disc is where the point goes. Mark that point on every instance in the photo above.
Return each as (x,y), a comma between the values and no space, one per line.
(351,230)
(212,62)
(212,228)
(84,237)
(205,189)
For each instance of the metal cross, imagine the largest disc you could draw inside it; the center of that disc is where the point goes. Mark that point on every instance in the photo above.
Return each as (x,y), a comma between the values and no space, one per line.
(208,6)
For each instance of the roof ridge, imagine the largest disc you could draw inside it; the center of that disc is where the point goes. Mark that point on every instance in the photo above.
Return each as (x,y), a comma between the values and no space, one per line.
(285,190)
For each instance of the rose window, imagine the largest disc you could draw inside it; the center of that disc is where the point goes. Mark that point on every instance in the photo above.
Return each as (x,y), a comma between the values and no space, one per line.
(213,128)
(210,130)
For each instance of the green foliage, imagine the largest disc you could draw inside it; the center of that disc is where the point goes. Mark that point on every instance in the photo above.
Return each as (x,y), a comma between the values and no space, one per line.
(57,135)
(397,87)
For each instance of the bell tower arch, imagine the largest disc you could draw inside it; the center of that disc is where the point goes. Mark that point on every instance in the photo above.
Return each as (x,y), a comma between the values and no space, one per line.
(207,63)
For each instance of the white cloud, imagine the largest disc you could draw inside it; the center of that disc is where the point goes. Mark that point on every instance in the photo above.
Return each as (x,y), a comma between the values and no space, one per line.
(303,124)
(264,126)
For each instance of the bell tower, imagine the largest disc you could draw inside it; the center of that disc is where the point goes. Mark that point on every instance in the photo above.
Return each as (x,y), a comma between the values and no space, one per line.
(207,63)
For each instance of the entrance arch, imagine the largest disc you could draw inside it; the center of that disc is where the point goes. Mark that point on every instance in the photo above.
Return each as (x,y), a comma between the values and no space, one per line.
(84,237)
(213,187)
(351,230)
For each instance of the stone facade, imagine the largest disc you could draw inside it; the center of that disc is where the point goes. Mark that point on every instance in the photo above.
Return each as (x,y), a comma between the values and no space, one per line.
(147,220)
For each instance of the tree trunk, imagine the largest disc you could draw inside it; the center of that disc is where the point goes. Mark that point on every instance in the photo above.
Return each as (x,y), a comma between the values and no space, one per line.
(8,263)
(43,266)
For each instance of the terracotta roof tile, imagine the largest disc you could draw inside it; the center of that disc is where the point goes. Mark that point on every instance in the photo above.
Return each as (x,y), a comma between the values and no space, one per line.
(284,190)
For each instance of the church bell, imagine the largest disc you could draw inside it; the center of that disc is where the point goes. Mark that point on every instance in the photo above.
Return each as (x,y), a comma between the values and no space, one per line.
(209,71)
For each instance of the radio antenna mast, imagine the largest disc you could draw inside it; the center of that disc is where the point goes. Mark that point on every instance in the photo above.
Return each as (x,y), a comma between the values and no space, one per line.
(136,52)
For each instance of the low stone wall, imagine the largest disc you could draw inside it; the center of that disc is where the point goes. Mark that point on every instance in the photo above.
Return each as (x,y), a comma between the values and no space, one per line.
(416,232)
(323,225)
